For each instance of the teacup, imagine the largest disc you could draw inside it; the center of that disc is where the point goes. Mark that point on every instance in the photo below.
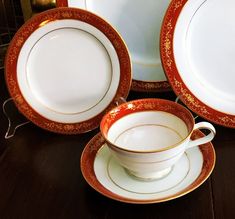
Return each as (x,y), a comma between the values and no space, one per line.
(148,136)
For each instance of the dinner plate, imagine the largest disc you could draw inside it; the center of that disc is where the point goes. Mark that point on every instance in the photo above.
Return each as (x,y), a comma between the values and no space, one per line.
(139,24)
(65,67)
(197,51)
(106,176)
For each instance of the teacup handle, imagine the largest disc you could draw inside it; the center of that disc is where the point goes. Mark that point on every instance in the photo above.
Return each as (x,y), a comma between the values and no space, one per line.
(205,139)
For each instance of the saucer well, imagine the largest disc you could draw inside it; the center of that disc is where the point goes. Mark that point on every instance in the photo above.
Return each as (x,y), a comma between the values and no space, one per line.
(106,176)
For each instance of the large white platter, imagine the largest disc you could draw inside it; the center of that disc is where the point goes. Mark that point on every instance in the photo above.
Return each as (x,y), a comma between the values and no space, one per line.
(198,50)
(68,66)
(139,23)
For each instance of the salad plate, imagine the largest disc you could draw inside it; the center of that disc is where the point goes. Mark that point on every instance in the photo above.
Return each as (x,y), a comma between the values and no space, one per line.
(65,67)
(139,23)
(106,176)
(197,51)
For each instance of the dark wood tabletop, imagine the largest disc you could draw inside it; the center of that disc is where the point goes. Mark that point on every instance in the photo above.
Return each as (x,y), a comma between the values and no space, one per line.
(40,177)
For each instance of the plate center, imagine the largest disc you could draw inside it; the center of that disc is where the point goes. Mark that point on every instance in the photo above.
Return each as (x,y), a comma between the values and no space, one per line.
(69,70)
(210,46)
(139,23)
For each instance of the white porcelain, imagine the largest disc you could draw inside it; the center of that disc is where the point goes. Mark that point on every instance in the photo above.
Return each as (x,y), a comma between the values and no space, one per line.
(204,46)
(57,71)
(197,50)
(139,23)
(65,68)
(111,175)
(115,179)
(148,141)
(104,174)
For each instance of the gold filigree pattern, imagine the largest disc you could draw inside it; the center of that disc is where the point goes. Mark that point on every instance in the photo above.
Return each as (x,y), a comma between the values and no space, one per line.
(19,99)
(24,33)
(67,14)
(95,144)
(174,77)
(143,105)
(178,4)
(159,86)
(167,44)
(226,119)
(20,41)
(189,98)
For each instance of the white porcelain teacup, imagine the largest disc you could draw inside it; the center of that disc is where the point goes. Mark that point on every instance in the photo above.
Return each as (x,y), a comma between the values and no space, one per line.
(148,136)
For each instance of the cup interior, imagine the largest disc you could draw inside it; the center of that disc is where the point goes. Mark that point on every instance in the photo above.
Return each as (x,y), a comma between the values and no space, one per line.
(147,125)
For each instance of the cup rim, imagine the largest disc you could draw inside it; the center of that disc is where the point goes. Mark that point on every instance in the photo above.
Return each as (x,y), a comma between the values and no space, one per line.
(149,100)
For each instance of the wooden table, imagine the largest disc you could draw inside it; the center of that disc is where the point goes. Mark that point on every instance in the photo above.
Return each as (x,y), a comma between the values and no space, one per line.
(40,177)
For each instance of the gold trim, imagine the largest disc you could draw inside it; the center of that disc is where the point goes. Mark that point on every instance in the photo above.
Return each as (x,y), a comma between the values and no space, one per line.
(154,162)
(19,99)
(110,82)
(226,119)
(97,142)
(188,97)
(178,4)
(167,39)
(146,193)
(150,86)
(152,151)
(167,44)
(158,125)
(150,179)
(64,13)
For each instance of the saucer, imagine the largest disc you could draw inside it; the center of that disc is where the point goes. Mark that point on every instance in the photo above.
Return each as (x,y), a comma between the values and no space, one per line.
(107,177)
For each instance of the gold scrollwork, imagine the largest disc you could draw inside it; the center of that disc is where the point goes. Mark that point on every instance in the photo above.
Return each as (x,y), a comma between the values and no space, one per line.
(68,127)
(189,98)
(167,44)
(226,119)
(19,41)
(67,14)
(178,4)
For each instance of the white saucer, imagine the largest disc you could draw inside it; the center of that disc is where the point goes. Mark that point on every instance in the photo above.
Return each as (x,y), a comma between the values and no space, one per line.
(106,176)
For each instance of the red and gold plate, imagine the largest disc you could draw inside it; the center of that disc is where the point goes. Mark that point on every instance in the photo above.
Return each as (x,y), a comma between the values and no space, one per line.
(198,56)
(65,68)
